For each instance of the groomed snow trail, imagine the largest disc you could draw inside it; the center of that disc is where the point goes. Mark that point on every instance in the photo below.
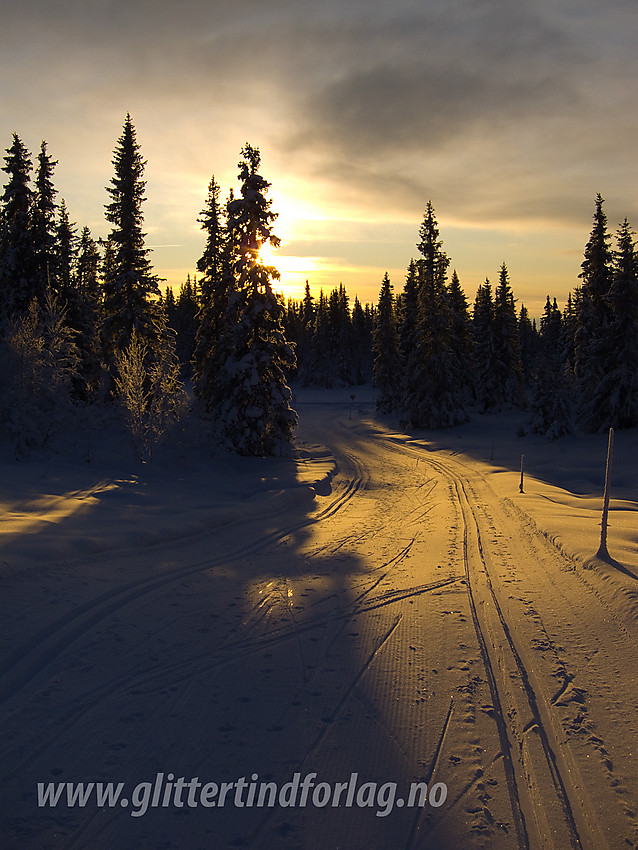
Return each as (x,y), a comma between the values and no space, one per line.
(404,625)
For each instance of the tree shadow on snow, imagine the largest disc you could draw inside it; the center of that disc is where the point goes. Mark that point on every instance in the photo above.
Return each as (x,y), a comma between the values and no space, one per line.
(236,650)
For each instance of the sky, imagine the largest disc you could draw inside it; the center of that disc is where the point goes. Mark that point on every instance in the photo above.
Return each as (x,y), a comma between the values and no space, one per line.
(510,117)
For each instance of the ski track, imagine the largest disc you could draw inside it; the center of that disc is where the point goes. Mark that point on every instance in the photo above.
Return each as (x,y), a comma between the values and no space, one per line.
(30,658)
(549,802)
(531,770)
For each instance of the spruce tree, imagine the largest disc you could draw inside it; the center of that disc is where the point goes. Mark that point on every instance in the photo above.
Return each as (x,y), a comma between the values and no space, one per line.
(462,360)
(308,307)
(251,385)
(570,330)
(550,401)
(170,307)
(185,321)
(362,345)
(485,387)
(509,384)
(321,371)
(306,334)
(340,326)
(528,343)
(616,396)
(44,225)
(292,329)
(433,397)
(214,267)
(87,268)
(407,310)
(66,251)
(387,356)
(83,315)
(18,278)
(592,340)
(80,302)
(130,286)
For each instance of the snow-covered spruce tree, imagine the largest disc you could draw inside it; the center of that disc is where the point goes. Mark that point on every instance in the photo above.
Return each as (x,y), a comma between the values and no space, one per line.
(44,224)
(362,345)
(509,385)
(79,286)
(433,397)
(185,321)
(387,356)
(592,338)
(130,286)
(616,395)
(321,370)
(131,303)
(550,401)
(529,344)
(570,328)
(66,251)
(485,389)
(407,309)
(80,298)
(18,282)
(214,267)
(292,324)
(463,361)
(369,321)
(340,327)
(306,334)
(253,399)
(87,269)
(170,306)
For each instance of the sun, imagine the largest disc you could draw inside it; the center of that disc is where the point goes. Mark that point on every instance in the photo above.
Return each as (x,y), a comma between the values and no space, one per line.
(267,254)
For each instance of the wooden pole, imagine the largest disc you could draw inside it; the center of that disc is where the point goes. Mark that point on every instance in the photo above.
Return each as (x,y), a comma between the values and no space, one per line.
(520,488)
(602,549)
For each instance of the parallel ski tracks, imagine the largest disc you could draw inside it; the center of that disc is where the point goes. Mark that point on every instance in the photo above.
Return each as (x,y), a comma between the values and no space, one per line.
(541,776)
(543,757)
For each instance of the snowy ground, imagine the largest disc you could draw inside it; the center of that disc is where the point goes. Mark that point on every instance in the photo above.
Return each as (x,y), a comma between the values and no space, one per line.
(387,605)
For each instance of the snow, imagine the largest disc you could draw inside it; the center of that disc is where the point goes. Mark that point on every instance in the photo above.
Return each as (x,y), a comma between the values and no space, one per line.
(386,604)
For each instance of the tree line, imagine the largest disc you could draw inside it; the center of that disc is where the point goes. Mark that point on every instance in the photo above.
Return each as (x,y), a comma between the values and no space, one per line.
(435,359)
(83,322)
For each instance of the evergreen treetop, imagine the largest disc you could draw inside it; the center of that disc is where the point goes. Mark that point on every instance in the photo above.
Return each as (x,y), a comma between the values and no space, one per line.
(44,222)
(130,284)
(18,283)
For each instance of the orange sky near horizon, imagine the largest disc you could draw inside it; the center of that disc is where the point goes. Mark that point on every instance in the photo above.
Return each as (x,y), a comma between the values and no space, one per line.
(509,117)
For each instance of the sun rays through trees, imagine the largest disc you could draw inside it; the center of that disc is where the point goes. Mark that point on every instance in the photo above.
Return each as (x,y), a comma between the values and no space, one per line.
(85,322)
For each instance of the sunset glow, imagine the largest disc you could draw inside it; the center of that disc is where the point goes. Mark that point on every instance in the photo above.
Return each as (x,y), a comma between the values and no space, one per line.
(318,419)
(360,120)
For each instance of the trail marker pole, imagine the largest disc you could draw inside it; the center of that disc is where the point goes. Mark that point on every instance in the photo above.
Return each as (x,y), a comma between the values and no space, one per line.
(520,486)
(602,549)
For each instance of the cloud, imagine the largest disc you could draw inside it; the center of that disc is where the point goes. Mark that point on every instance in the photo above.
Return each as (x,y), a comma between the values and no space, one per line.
(505,114)
(496,108)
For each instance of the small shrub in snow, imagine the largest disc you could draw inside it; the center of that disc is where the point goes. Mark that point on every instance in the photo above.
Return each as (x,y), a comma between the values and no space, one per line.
(151,393)
(40,361)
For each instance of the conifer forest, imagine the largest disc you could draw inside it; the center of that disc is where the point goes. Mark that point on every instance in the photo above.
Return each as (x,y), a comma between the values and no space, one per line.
(309,573)
(85,324)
